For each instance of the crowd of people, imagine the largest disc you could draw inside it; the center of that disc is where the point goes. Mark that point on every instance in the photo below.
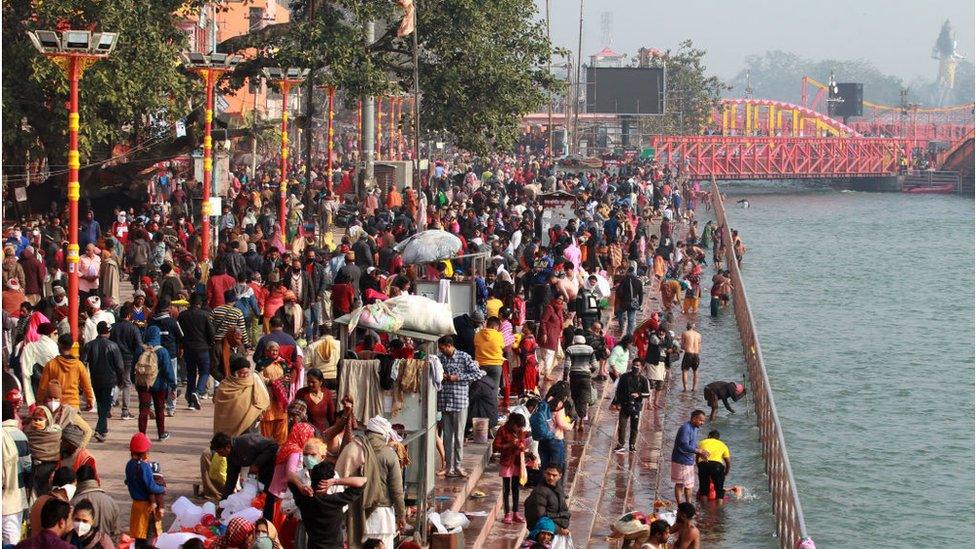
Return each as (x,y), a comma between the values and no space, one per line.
(254,333)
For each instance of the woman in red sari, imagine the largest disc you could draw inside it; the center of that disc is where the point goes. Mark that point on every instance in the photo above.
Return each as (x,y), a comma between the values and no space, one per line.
(318,399)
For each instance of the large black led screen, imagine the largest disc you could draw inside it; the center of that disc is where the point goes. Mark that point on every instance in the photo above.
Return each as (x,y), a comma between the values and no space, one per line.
(847,101)
(630,90)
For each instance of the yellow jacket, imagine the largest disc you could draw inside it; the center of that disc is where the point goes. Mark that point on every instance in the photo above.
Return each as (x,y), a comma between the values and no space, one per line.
(73,376)
(488,347)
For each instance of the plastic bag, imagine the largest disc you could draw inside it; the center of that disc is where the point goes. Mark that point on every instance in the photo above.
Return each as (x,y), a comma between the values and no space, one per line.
(453,520)
(187,514)
(239,500)
(562,542)
(422,314)
(175,540)
(410,312)
(428,246)
(250,514)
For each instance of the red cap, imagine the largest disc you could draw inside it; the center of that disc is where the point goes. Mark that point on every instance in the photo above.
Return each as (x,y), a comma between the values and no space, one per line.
(139,444)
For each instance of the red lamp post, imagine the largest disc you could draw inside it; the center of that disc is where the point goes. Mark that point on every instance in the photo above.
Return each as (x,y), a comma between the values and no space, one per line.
(210,68)
(328,143)
(73,51)
(285,78)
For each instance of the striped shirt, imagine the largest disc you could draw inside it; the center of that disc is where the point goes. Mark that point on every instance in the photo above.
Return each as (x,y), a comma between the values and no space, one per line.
(225,317)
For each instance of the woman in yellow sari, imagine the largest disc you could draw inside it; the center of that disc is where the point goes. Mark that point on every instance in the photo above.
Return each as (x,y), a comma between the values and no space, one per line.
(274,420)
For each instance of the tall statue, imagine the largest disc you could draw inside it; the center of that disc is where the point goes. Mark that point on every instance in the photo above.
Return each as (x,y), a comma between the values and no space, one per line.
(945,51)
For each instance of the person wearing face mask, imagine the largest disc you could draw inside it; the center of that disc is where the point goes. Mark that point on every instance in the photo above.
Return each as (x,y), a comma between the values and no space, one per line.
(53,523)
(120,228)
(85,534)
(104,509)
(62,489)
(265,536)
(59,307)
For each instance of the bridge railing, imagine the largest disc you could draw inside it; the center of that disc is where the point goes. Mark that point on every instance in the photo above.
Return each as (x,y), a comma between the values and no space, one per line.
(765,157)
(787,510)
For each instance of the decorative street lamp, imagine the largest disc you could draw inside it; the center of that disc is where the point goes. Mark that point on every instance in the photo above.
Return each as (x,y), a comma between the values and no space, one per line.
(73,51)
(286,78)
(331,134)
(210,68)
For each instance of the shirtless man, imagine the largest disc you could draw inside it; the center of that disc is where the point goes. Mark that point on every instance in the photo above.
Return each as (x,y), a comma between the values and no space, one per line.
(738,247)
(684,526)
(691,345)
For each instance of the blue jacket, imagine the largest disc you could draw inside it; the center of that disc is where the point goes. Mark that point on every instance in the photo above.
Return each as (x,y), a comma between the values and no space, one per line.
(139,479)
(539,422)
(166,379)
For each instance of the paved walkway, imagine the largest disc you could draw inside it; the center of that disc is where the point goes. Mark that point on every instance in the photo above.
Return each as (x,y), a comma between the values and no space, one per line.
(179,456)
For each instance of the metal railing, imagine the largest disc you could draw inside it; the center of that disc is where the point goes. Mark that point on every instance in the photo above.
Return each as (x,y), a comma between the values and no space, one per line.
(790,526)
(928,179)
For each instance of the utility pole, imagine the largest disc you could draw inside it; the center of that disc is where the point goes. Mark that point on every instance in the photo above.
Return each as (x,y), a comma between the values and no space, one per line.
(552,152)
(574,144)
(368,139)
(310,110)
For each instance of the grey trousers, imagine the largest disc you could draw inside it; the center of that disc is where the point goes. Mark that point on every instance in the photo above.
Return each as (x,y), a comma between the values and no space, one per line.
(452,427)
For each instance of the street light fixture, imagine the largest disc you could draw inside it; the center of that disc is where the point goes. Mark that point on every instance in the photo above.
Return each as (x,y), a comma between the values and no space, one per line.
(286,78)
(73,51)
(210,68)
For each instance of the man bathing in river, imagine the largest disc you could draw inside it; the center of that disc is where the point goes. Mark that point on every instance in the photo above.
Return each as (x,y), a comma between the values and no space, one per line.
(685,528)
(691,345)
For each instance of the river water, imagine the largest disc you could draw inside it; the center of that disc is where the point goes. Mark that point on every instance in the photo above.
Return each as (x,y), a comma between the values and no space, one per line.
(864,305)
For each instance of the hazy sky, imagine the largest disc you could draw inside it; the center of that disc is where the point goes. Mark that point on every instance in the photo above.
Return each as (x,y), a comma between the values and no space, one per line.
(896,35)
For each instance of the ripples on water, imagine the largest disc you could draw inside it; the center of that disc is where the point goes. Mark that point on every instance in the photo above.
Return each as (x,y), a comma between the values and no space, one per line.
(864,304)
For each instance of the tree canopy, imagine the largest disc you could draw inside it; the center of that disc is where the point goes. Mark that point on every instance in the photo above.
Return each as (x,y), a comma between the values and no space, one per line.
(482,64)
(131,98)
(690,93)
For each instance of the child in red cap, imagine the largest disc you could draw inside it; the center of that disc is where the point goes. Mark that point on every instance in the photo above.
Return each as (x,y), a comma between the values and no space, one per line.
(144,489)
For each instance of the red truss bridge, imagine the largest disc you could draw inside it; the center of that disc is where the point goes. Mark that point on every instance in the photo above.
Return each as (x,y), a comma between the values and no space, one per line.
(750,138)
(777,157)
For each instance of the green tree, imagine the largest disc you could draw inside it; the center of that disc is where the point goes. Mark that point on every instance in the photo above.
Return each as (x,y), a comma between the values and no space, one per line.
(482,64)
(131,98)
(690,94)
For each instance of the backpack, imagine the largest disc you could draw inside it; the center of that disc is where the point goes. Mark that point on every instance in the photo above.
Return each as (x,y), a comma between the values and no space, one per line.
(147,367)
(590,304)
